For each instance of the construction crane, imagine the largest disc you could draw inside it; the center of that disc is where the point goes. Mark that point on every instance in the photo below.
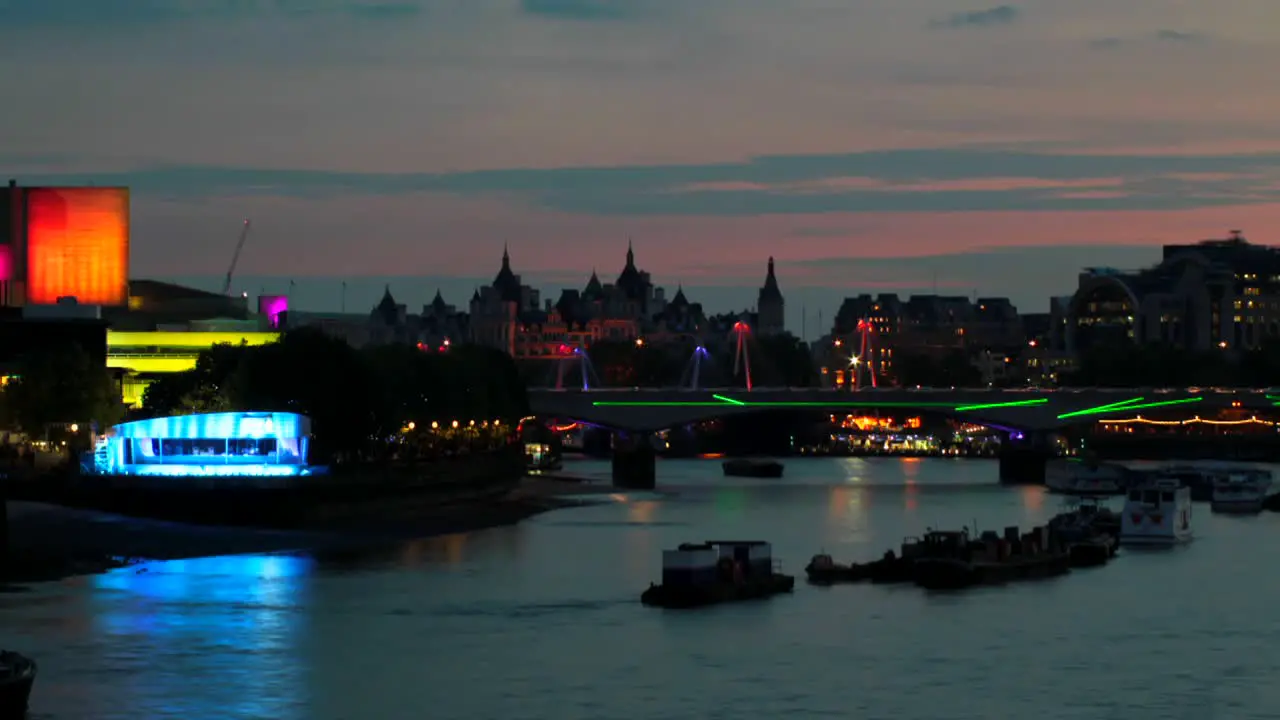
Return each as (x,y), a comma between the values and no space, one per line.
(244,235)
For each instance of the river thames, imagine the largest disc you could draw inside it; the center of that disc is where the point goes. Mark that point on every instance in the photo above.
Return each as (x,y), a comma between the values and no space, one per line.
(542,620)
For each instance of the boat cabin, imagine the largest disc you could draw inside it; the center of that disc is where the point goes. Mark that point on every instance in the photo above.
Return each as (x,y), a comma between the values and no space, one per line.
(1158,512)
(754,557)
(943,543)
(690,564)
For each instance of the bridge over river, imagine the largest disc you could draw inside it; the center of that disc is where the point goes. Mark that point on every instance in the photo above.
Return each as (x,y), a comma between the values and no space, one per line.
(1034,409)
(1029,415)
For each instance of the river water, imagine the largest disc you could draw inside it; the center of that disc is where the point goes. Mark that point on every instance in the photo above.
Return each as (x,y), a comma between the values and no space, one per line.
(542,620)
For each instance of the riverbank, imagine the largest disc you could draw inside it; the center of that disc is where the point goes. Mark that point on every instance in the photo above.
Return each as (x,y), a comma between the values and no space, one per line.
(51,542)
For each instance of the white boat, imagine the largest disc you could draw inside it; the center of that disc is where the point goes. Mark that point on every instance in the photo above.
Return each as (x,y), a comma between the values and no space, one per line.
(1241,491)
(1073,476)
(1157,512)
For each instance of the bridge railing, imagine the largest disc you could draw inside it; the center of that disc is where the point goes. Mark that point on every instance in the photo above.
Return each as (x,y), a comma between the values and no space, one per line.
(884,390)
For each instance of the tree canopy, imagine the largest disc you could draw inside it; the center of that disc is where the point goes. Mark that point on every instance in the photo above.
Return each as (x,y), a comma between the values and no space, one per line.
(352,396)
(60,386)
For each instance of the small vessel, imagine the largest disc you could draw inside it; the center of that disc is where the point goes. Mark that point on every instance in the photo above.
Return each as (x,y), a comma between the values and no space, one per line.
(825,571)
(1241,491)
(1158,512)
(1074,476)
(542,457)
(1201,479)
(1088,530)
(743,467)
(717,571)
(951,561)
(17,675)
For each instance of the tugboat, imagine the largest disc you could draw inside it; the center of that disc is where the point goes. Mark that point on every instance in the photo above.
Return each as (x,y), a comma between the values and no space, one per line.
(952,562)
(1089,531)
(17,674)
(1157,513)
(752,468)
(822,570)
(695,575)
(1241,492)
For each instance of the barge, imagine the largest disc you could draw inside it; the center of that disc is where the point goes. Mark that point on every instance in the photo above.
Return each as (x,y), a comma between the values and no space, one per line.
(717,571)
(950,560)
(752,468)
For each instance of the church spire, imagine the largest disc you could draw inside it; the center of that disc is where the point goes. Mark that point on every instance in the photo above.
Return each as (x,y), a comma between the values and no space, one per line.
(631,255)
(770,292)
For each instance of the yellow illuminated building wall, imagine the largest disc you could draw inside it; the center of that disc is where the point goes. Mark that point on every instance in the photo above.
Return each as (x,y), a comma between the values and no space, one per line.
(146,354)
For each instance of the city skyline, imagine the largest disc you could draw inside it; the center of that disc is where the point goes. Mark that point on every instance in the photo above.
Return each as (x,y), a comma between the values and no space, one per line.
(869,147)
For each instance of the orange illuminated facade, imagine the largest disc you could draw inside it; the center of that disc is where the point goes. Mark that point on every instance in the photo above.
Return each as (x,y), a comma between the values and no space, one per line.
(77,245)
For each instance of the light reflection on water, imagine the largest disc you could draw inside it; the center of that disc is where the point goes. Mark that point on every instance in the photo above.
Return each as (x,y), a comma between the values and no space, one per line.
(541,620)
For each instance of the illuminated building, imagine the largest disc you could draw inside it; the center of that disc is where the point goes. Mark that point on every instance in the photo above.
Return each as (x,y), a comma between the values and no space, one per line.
(63,243)
(1213,294)
(145,354)
(208,445)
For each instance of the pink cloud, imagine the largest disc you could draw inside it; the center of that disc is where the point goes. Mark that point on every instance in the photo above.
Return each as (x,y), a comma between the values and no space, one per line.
(427,234)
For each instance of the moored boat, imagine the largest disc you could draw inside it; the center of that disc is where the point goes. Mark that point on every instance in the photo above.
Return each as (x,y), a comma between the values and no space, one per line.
(717,571)
(951,561)
(1157,512)
(744,467)
(1074,476)
(1200,479)
(823,570)
(1088,531)
(1241,492)
(17,675)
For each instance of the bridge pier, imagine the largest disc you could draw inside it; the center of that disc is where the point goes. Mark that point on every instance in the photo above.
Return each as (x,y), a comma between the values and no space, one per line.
(1025,456)
(634,461)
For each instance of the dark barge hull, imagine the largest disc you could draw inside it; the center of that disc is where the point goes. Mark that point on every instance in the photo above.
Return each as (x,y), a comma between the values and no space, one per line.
(15,687)
(749,469)
(938,574)
(834,575)
(694,596)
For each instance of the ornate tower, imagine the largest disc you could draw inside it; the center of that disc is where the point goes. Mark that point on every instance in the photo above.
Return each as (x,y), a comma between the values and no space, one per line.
(770,306)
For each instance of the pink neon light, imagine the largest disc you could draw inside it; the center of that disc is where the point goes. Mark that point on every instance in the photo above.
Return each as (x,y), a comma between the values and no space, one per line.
(272,306)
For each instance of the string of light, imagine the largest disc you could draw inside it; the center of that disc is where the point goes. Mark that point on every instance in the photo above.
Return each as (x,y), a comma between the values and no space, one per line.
(1193,421)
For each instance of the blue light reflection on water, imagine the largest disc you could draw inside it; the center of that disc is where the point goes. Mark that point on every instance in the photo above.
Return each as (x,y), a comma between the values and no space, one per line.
(233,622)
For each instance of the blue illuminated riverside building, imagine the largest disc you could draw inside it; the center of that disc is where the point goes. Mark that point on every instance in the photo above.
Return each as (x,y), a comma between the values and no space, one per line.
(231,444)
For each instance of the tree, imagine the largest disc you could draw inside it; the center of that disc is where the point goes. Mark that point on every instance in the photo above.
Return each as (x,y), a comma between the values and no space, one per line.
(61,386)
(199,390)
(322,377)
(782,361)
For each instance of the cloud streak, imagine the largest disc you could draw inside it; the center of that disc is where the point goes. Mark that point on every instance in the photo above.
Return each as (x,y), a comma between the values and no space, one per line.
(999,15)
(924,180)
(71,13)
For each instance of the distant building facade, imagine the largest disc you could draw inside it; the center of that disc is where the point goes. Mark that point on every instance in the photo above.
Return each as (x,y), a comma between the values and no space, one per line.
(1215,293)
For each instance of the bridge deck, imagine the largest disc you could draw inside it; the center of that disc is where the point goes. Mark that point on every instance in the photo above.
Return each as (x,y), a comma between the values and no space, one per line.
(1026,409)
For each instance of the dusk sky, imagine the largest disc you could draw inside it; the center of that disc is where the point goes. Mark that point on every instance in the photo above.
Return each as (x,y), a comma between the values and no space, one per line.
(869,145)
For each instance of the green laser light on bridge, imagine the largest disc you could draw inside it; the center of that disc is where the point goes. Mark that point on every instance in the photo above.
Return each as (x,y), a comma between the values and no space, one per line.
(1126,405)
(725,401)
